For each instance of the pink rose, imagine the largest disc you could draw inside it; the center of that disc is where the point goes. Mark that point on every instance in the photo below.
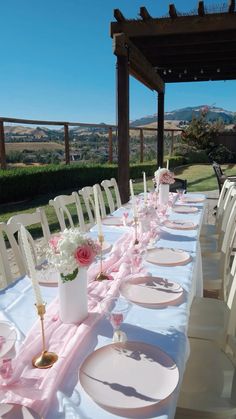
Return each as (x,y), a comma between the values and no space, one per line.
(84,255)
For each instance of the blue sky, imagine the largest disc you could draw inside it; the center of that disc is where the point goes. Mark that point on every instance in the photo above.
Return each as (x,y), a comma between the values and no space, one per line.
(57,62)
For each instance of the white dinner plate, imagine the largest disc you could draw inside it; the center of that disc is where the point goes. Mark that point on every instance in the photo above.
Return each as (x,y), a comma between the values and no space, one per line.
(129,377)
(9,334)
(151,292)
(48,277)
(16,411)
(167,257)
(193,199)
(180,225)
(184,209)
(112,221)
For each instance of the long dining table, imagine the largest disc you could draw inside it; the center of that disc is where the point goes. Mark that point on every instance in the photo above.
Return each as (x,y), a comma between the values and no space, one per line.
(164,327)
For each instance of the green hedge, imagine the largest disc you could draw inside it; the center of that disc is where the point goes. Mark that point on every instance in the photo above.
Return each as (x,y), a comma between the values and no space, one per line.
(23,183)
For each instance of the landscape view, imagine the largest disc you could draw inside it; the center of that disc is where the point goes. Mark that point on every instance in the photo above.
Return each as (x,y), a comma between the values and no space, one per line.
(30,145)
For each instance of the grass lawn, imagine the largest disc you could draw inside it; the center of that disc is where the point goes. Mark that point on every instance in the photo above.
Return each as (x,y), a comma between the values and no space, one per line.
(200,177)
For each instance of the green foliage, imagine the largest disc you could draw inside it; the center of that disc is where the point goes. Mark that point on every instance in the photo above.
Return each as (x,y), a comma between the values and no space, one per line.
(200,133)
(221,155)
(23,183)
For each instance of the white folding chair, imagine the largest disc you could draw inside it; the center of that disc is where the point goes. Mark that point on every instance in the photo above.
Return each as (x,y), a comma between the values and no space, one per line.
(63,206)
(213,319)
(216,265)
(214,239)
(208,389)
(112,193)
(11,261)
(88,197)
(225,196)
(37,218)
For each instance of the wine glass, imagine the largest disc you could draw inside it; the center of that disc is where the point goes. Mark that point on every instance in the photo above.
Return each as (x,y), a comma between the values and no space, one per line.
(180,193)
(116,309)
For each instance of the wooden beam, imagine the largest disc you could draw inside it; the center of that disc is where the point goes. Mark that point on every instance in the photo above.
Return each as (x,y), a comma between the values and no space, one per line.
(144,14)
(172,11)
(201,10)
(141,145)
(123,126)
(67,144)
(231,7)
(2,146)
(160,126)
(119,16)
(110,148)
(139,66)
(214,22)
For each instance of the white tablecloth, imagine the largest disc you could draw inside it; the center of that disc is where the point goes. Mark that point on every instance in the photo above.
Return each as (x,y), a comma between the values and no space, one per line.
(166,327)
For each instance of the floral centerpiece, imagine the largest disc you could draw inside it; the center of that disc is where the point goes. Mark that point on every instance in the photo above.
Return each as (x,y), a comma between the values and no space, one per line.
(164,177)
(69,251)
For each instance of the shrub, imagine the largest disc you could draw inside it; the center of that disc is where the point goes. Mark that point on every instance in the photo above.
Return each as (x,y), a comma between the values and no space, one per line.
(222,155)
(23,183)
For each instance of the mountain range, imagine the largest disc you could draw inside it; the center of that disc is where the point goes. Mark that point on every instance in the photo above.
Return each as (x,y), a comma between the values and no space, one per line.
(172,120)
(186,114)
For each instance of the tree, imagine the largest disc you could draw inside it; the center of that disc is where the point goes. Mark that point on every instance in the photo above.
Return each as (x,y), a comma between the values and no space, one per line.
(200,133)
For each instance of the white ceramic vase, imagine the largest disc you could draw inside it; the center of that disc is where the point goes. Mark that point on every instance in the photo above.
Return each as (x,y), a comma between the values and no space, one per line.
(73,298)
(164,190)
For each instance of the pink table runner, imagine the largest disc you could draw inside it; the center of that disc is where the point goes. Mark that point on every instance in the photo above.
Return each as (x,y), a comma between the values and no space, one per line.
(34,387)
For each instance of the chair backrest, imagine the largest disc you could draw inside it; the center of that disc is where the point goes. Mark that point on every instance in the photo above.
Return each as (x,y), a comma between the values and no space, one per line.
(219,175)
(11,260)
(231,323)
(178,184)
(226,252)
(222,221)
(87,194)
(64,206)
(112,193)
(38,218)
(223,201)
(88,197)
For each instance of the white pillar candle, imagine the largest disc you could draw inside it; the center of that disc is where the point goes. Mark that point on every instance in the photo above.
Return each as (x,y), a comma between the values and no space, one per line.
(131,188)
(97,210)
(145,186)
(133,198)
(31,266)
(167,164)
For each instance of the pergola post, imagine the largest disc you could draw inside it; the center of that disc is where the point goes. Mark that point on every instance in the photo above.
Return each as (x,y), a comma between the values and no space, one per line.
(2,146)
(160,132)
(123,125)
(110,147)
(67,145)
(141,145)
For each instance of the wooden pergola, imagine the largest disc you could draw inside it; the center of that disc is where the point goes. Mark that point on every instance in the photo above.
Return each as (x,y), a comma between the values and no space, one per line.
(200,46)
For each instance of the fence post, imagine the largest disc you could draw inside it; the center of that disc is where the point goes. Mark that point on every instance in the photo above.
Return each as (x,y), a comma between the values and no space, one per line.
(110,152)
(2,146)
(67,145)
(141,145)
(172,143)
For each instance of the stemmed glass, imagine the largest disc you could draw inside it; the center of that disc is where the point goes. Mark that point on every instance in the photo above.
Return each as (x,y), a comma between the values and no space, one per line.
(116,309)
(180,193)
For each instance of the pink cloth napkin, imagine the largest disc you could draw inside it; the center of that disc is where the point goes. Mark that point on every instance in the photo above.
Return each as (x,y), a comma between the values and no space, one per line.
(34,387)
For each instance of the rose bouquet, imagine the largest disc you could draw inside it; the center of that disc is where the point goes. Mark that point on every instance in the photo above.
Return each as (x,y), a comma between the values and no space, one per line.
(69,251)
(164,177)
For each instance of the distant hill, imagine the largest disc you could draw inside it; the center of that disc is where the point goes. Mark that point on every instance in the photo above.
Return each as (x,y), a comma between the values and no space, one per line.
(186,114)
(174,119)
